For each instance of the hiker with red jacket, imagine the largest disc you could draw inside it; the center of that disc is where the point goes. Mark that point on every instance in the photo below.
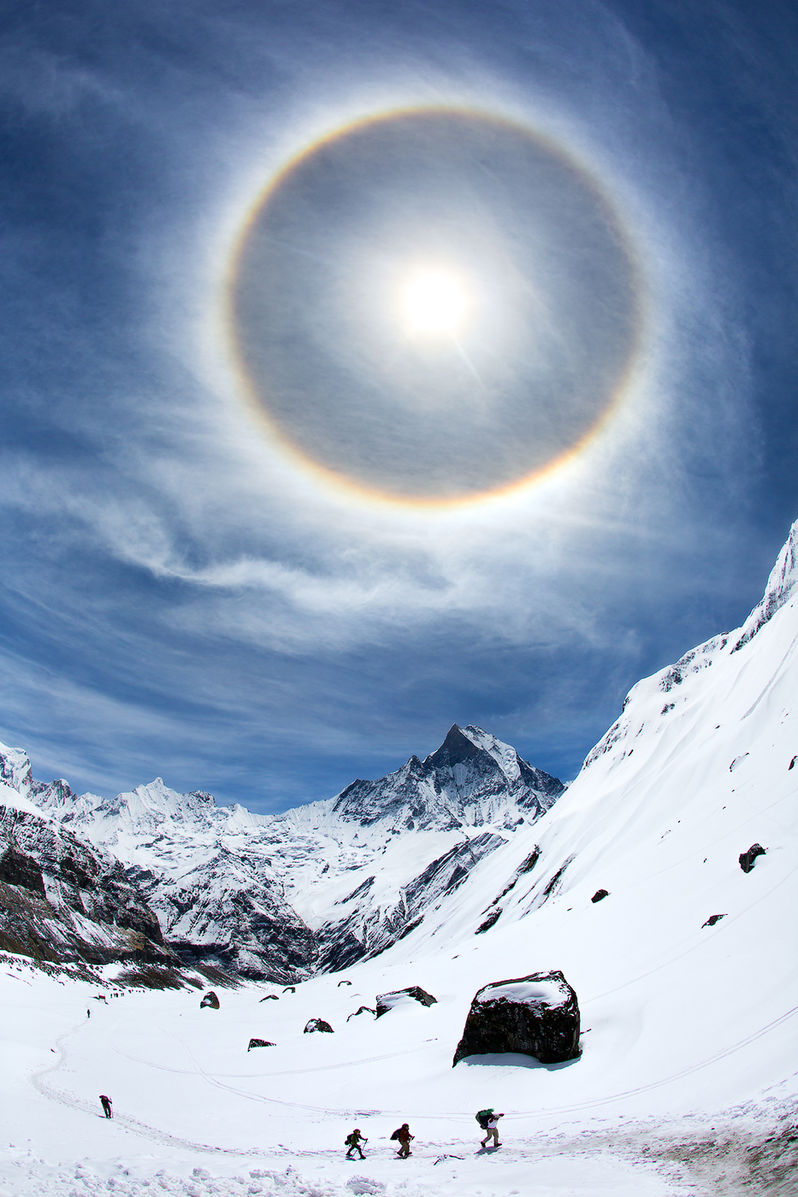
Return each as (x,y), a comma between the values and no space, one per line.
(405,1138)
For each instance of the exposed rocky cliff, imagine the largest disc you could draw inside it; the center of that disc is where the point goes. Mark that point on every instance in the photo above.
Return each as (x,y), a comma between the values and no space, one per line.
(61,900)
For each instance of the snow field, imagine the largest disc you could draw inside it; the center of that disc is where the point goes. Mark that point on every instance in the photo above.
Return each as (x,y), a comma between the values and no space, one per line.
(185,1088)
(185,1126)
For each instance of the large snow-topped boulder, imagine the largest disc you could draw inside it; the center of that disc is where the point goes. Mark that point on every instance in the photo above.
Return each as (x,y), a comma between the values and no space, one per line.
(537,1015)
(413,993)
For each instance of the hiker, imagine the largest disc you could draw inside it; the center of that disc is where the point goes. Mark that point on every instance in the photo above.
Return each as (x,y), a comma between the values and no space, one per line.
(353,1141)
(492,1127)
(405,1138)
(88,1013)
(107,1105)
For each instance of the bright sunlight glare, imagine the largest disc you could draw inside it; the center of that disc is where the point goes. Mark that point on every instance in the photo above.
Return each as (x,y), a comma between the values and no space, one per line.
(434,302)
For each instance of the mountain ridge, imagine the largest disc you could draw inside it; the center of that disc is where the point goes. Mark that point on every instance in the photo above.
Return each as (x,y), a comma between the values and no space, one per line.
(236,889)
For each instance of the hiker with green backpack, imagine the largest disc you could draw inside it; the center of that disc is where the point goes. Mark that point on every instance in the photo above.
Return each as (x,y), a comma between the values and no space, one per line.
(489,1123)
(353,1141)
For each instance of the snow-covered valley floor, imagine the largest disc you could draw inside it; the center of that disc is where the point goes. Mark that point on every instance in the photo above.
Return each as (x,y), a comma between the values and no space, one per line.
(196,1115)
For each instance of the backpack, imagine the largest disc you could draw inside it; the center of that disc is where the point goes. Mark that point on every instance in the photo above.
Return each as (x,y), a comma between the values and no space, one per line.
(396,1134)
(482,1118)
(350,1140)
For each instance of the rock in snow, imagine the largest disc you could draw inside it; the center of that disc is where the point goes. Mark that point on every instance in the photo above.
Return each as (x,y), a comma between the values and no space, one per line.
(536,1015)
(748,859)
(361,1010)
(317,1024)
(414,993)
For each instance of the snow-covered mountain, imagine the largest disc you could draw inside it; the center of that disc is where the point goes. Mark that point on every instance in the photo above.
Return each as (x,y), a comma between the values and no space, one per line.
(282,896)
(364,867)
(471,780)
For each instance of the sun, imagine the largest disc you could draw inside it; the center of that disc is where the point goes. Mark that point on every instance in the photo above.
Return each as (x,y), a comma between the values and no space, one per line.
(433,302)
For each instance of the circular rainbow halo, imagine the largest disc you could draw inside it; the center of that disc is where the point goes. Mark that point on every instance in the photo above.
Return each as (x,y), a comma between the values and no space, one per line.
(433,305)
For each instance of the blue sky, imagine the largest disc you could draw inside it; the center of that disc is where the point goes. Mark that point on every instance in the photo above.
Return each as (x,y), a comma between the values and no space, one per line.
(183,592)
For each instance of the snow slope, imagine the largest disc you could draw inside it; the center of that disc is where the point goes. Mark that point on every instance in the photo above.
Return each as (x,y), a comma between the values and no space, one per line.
(688,1079)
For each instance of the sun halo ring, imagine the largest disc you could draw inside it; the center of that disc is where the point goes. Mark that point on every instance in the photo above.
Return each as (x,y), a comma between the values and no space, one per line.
(425,323)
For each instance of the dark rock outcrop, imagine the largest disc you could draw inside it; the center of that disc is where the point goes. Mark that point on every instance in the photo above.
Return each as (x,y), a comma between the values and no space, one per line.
(713,918)
(387,1001)
(361,1010)
(317,1024)
(748,859)
(210,1001)
(600,894)
(259,1043)
(489,920)
(554,881)
(18,869)
(536,1015)
(152,976)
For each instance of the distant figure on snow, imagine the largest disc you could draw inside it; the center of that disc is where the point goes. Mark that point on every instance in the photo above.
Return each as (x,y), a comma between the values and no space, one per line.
(405,1139)
(353,1141)
(107,1105)
(492,1127)
(88,1013)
